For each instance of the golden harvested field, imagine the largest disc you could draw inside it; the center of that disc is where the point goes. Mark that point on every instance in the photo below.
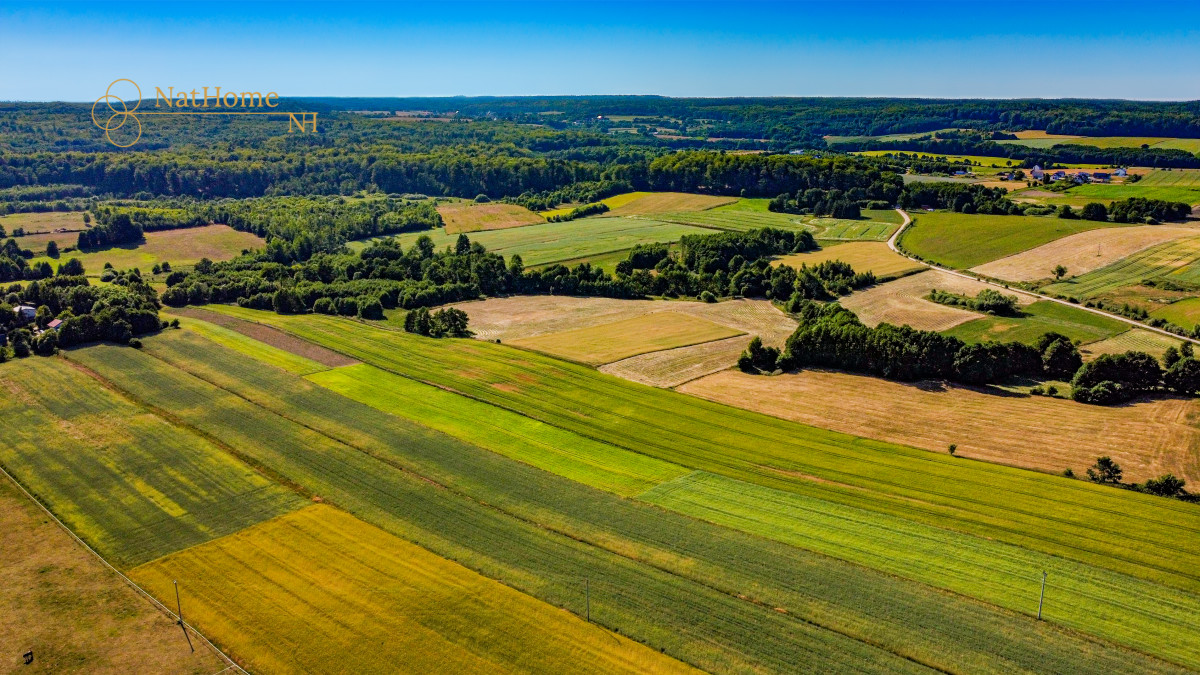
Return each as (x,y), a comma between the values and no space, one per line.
(178,247)
(1134,339)
(471,217)
(1081,252)
(610,342)
(672,367)
(74,613)
(321,591)
(665,202)
(532,315)
(1146,438)
(863,256)
(1039,133)
(903,301)
(49,221)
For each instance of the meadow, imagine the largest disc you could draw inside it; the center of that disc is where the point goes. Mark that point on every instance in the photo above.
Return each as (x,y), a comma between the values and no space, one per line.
(1082,252)
(651,203)
(1184,313)
(1044,316)
(746,214)
(178,247)
(557,242)
(471,217)
(1170,261)
(46,221)
(1133,340)
(127,482)
(1044,140)
(828,611)
(1148,438)
(75,614)
(378,603)
(973,498)
(962,241)
(610,342)
(863,256)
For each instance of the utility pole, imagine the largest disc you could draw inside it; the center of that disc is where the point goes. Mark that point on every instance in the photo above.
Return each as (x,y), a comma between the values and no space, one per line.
(179,613)
(587,589)
(1043,596)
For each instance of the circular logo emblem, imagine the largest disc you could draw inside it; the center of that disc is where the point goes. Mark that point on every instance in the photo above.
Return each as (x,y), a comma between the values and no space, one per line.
(119,114)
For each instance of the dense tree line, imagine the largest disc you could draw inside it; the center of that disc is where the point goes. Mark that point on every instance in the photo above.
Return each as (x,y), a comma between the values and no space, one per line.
(584,192)
(958,197)
(116,229)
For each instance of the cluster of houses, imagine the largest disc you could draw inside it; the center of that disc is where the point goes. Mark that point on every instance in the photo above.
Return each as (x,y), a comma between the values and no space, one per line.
(1081,177)
(26,314)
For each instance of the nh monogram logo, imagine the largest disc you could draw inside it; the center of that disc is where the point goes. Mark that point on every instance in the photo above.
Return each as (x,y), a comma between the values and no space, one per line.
(304,119)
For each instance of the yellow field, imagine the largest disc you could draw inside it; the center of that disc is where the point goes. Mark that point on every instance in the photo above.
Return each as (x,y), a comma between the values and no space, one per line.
(75,614)
(1134,339)
(863,256)
(526,316)
(49,221)
(672,367)
(668,202)
(1081,252)
(178,247)
(1039,133)
(1147,438)
(621,339)
(647,203)
(903,301)
(470,217)
(321,591)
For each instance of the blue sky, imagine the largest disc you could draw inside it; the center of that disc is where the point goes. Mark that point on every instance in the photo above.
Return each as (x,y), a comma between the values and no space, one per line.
(1095,49)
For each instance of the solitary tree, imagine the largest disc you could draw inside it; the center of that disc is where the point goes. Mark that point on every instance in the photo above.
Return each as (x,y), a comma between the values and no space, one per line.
(1059,272)
(51,249)
(1105,470)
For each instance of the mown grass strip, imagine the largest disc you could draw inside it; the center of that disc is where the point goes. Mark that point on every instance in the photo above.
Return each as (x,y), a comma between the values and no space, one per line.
(560,452)
(132,486)
(326,585)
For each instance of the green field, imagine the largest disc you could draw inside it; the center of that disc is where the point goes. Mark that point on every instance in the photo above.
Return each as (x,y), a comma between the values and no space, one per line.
(674,582)
(521,438)
(961,241)
(1174,186)
(1038,318)
(131,485)
(748,214)
(1177,261)
(1184,313)
(1005,504)
(556,242)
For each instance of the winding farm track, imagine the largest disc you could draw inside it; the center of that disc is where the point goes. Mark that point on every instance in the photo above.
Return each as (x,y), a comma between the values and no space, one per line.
(891,242)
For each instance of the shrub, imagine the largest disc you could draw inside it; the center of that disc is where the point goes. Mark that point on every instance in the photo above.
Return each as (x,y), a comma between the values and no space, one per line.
(707,296)
(482,199)
(1164,486)
(1094,211)
(135,343)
